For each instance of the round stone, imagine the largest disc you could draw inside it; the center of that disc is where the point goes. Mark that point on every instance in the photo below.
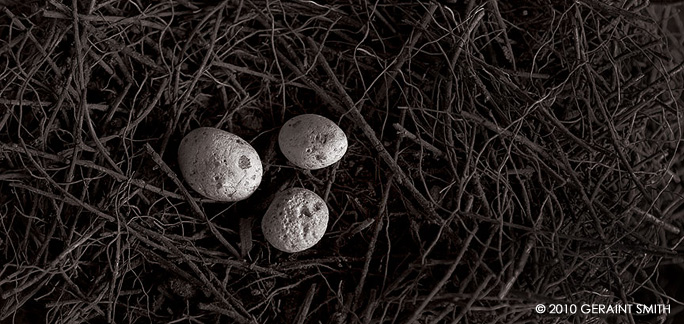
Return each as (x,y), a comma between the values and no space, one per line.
(296,220)
(312,141)
(219,165)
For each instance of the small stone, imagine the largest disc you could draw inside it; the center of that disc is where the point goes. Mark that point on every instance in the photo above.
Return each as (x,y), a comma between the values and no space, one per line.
(296,220)
(312,141)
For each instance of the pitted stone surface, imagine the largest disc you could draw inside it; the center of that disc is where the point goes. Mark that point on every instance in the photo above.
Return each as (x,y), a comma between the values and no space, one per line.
(219,165)
(296,220)
(312,141)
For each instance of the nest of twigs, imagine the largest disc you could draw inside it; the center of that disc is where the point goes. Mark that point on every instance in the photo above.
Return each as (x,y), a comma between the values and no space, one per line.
(503,154)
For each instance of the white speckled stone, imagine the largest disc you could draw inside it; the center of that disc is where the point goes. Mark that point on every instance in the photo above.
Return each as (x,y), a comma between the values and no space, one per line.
(296,220)
(312,142)
(219,165)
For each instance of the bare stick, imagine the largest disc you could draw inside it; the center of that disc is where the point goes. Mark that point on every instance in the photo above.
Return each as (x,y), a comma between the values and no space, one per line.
(112,20)
(15,102)
(371,246)
(360,121)
(403,56)
(89,164)
(479,14)
(444,279)
(151,105)
(405,133)
(195,207)
(519,267)
(98,143)
(222,310)
(657,221)
(304,310)
(472,300)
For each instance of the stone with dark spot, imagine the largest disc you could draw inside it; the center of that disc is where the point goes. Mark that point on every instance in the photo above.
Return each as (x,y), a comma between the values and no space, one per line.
(296,220)
(219,165)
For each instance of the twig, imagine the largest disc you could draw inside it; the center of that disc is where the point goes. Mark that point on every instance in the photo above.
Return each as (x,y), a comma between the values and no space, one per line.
(222,310)
(519,267)
(89,164)
(479,14)
(180,103)
(529,244)
(304,309)
(657,221)
(54,263)
(150,106)
(405,133)
(15,102)
(504,132)
(68,198)
(446,277)
(374,240)
(195,207)
(508,52)
(476,296)
(164,243)
(111,20)
(244,70)
(405,52)
(96,139)
(360,122)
